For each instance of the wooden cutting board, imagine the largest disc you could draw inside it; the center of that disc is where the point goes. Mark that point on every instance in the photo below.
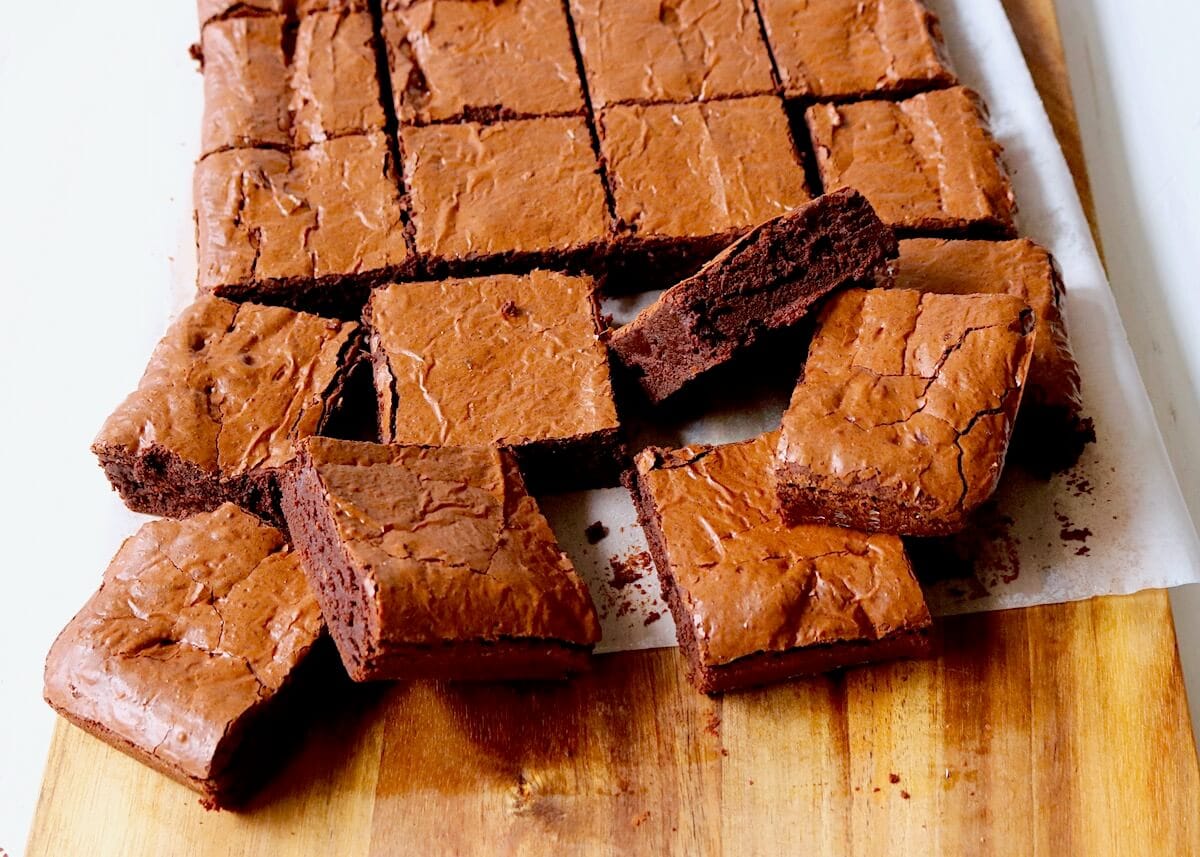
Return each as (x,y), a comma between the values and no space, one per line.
(1054,730)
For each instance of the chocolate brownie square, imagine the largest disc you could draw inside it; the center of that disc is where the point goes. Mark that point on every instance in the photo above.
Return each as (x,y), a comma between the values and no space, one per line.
(646,51)
(191,655)
(757,601)
(927,164)
(210,10)
(689,178)
(1051,430)
(902,419)
(520,192)
(766,280)
(507,359)
(228,392)
(463,59)
(434,562)
(309,229)
(260,89)
(840,49)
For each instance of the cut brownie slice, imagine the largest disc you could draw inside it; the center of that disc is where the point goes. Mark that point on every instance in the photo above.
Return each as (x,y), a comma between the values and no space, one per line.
(311,229)
(689,178)
(193,650)
(228,392)
(523,192)
(927,164)
(434,562)
(839,49)
(766,280)
(1051,430)
(210,10)
(903,417)
(645,51)
(261,90)
(754,600)
(508,359)
(461,59)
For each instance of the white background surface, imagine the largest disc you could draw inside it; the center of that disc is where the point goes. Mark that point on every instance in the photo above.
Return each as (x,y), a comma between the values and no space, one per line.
(99,112)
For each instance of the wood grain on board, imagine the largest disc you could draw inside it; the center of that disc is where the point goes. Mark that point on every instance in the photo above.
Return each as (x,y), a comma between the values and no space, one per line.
(1058,730)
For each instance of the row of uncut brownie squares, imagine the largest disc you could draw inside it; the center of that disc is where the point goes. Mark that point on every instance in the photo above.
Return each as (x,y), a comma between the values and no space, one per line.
(481,144)
(431,559)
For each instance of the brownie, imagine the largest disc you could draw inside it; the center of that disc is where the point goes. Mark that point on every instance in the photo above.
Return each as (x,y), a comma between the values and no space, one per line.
(509,359)
(766,280)
(517,193)
(757,601)
(1051,430)
(463,59)
(687,179)
(190,655)
(434,562)
(260,89)
(840,49)
(210,10)
(310,229)
(927,164)
(645,51)
(228,392)
(903,417)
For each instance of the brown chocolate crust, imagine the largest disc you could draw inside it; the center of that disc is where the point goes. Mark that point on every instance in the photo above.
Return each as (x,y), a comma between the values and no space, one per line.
(742,635)
(902,420)
(845,49)
(202,632)
(767,280)
(928,164)
(444,560)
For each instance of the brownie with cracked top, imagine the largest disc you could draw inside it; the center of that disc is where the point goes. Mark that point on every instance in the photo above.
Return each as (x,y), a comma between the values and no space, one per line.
(929,164)
(1051,430)
(435,562)
(767,280)
(755,600)
(902,419)
(228,392)
(463,59)
(191,655)
(311,229)
(508,359)
(841,49)
(522,192)
(265,85)
(210,10)
(646,51)
(687,179)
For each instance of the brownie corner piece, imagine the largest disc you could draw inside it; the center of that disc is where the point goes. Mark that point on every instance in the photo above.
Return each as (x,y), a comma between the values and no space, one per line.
(435,562)
(757,601)
(902,419)
(227,393)
(929,163)
(196,654)
(513,359)
(766,280)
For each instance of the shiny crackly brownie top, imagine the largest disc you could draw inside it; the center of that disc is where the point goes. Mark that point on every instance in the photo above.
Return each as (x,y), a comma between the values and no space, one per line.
(908,399)
(752,584)
(845,48)
(927,163)
(261,89)
(508,358)
(232,387)
(1020,268)
(197,622)
(449,544)
(647,51)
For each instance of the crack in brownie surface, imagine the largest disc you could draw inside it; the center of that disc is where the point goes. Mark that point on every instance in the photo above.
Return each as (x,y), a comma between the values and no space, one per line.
(902,420)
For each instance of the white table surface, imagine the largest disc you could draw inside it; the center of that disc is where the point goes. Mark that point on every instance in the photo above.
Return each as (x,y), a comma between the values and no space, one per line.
(98,105)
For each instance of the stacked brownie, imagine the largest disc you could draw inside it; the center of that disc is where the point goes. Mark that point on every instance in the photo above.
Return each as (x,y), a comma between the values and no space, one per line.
(426,198)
